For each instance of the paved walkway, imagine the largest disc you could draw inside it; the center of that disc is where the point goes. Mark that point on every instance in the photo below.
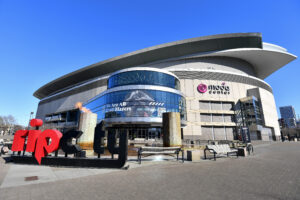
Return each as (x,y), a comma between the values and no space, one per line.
(272,173)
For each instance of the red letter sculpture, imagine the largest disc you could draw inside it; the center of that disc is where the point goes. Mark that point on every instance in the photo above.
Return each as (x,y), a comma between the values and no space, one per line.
(31,140)
(42,146)
(37,141)
(36,122)
(19,140)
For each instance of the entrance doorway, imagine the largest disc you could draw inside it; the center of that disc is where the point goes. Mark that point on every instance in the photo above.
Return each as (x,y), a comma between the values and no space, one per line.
(140,132)
(145,133)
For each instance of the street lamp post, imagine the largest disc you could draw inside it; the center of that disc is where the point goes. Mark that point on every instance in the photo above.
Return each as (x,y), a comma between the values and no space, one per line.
(30,117)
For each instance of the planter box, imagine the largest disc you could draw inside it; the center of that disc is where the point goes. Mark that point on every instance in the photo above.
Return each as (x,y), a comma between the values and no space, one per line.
(194,155)
(242,152)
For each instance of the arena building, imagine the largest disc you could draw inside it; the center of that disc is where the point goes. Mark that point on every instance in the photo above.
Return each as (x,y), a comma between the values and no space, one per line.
(215,82)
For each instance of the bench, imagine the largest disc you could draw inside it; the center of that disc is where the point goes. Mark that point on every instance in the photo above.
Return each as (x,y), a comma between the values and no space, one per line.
(149,151)
(220,150)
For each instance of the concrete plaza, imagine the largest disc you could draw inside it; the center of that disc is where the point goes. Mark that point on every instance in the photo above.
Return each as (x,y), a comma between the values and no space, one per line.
(272,173)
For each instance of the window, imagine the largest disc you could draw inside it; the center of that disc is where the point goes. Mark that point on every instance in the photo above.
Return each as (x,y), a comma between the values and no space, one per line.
(205,117)
(206,132)
(72,116)
(143,77)
(228,118)
(219,133)
(204,105)
(217,118)
(227,106)
(216,105)
(230,133)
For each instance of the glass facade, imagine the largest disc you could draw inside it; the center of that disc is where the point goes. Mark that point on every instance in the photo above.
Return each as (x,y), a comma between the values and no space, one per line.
(137,103)
(289,116)
(143,77)
(249,112)
(134,101)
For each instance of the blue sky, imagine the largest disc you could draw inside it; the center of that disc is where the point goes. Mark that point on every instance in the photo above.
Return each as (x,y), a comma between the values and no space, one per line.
(43,40)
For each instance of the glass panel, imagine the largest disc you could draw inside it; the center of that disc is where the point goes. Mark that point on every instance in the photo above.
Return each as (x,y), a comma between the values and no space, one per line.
(228,118)
(142,77)
(205,117)
(137,103)
(204,105)
(206,133)
(216,106)
(227,106)
(217,118)
(219,133)
(229,133)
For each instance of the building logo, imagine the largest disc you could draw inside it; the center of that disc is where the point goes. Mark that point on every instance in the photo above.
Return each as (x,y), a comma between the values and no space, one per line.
(214,89)
(202,88)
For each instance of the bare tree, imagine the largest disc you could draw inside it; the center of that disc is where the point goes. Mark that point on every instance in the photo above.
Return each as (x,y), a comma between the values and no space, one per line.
(8,125)
(1,121)
(11,120)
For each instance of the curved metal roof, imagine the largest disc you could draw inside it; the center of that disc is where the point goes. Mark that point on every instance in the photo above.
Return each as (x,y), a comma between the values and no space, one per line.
(205,45)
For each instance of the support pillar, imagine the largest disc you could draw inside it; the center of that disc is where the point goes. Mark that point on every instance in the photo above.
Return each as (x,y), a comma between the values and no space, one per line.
(171,129)
(87,124)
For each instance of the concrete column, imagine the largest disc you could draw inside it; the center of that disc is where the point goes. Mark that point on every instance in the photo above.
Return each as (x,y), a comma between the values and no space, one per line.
(87,124)
(171,129)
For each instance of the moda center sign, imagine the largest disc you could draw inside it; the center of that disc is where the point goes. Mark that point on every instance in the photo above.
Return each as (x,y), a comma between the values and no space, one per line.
(214,89)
